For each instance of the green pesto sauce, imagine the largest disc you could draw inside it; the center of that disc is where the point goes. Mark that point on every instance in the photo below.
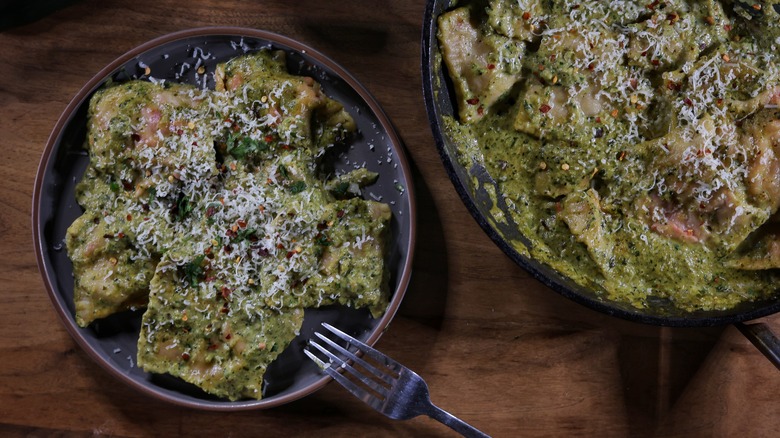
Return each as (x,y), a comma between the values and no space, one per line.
(209,209)
(643,264)
(598,189)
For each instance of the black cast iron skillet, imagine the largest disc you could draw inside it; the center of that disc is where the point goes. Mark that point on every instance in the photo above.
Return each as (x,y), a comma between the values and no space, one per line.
(474,185)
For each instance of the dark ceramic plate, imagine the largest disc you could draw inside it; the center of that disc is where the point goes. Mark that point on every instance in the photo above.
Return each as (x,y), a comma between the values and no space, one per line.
(177,57)
(474,186)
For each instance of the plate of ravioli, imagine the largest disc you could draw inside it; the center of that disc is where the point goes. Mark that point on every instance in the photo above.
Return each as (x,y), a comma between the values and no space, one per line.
(207,200)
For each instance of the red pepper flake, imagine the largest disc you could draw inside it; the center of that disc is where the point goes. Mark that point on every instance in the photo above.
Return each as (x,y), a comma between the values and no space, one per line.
(228,336)
(227,248)
(279,246)
(269,138)
(591,66)
(290,254)
(298,282)
(185,356)
(673,86)
(120,235)
(688,101)
(340,214)
(491,66)
(757,7)
(652,5)
(633,82)
(135,137)
(129,217)
(526,16)
(598,119)
(727,27)
(225,292)
(481,110)
(213,347)
(545,108)
(210,211)
(472,101)
(655,62)
(241,223)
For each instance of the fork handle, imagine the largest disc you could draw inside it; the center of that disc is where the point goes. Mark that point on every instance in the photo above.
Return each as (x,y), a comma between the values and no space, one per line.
(455,423)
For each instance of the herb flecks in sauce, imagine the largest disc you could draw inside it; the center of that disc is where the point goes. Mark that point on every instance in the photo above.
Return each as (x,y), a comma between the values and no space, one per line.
(209,206)
(636,144)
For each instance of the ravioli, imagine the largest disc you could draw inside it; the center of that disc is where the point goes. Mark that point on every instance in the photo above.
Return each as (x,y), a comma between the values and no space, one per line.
(204,337)
(209,209)
(637,145)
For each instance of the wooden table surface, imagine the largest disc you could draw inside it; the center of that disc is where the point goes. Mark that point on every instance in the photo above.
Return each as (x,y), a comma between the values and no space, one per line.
(496,347)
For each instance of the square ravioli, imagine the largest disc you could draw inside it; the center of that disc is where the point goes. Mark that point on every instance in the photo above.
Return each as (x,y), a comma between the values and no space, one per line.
(210,336)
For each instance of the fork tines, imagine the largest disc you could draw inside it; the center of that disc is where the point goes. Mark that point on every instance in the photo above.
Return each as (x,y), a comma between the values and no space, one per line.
(376,383)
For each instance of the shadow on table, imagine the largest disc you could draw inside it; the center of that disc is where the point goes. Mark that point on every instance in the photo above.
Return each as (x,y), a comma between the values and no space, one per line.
(657,364)
(652,366)
(426,296)
(19,12)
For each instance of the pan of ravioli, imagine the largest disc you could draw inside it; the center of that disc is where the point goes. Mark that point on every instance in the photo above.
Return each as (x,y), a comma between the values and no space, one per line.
(230,190)
(627,153)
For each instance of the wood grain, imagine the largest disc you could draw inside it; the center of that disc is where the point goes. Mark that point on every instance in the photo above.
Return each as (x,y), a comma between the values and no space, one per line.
(496,347)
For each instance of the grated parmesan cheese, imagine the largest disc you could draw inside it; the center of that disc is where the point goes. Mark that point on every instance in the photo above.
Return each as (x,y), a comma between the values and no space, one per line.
(216,196)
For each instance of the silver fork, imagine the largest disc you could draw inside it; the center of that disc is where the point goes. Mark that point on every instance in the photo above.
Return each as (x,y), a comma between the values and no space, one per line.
(388,386)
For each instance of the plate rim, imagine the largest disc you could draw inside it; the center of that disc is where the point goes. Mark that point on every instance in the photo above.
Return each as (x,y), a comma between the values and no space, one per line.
(67,114)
